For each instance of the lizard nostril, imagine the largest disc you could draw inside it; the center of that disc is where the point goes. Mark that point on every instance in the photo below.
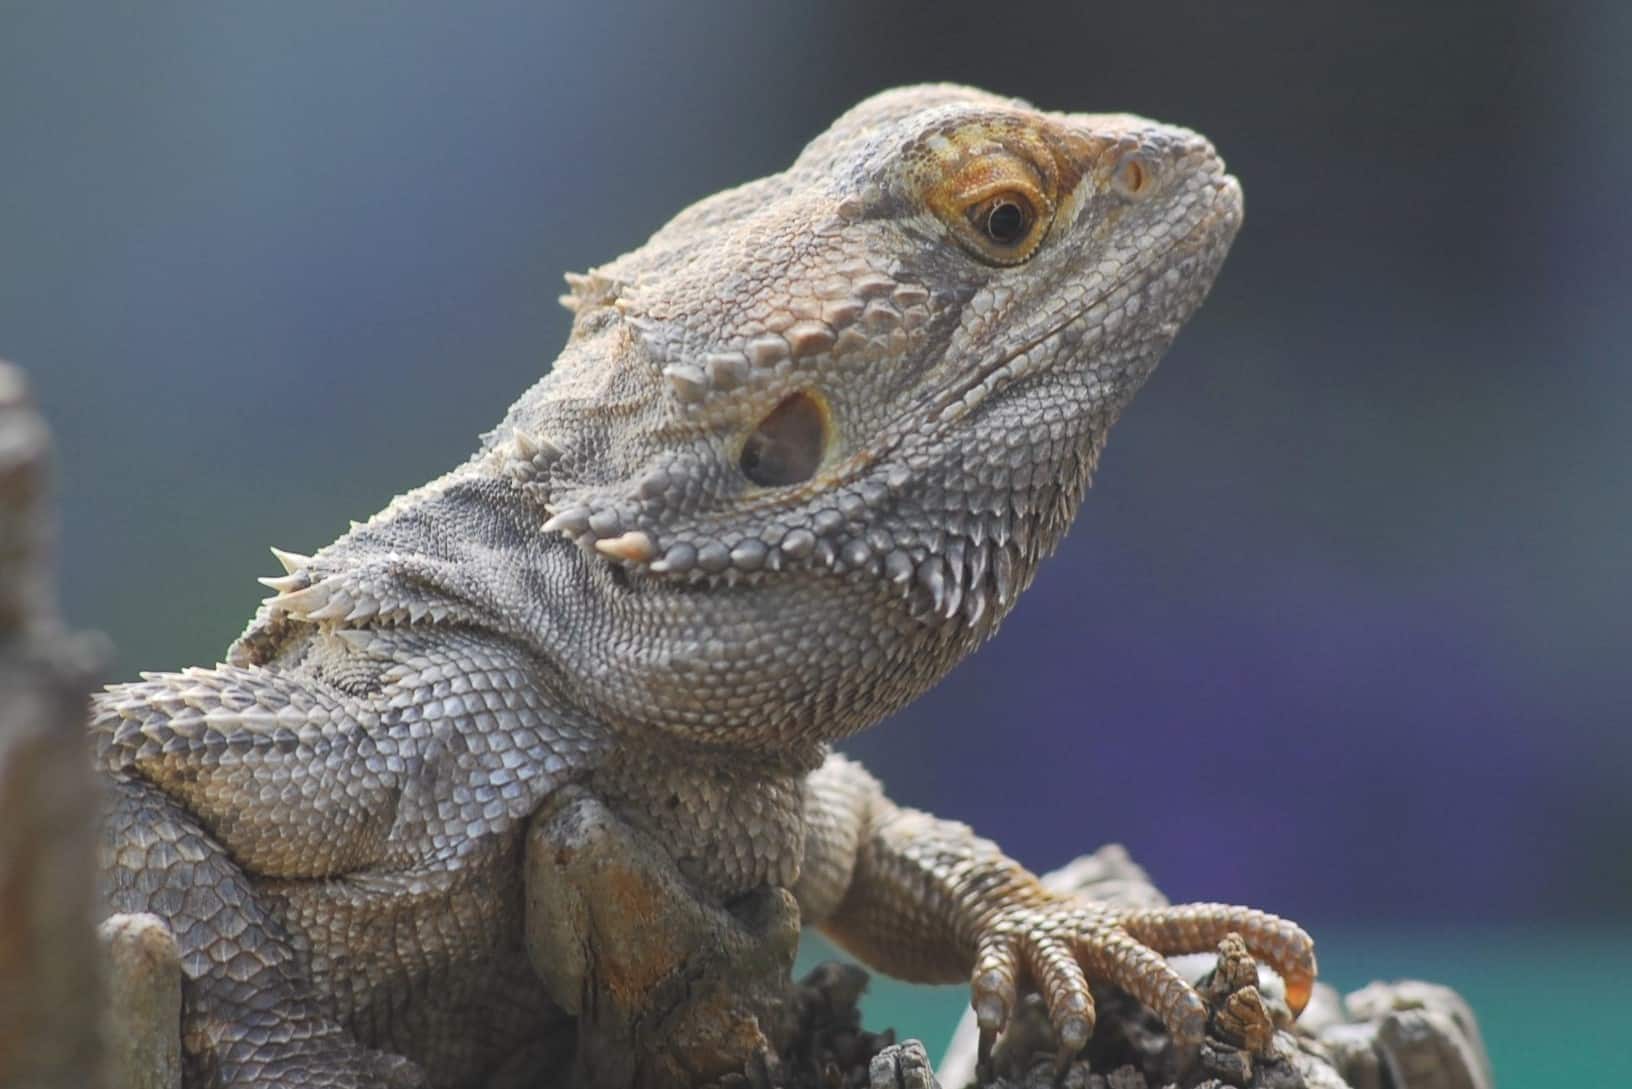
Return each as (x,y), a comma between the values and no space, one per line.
(1132,177)
(788,445)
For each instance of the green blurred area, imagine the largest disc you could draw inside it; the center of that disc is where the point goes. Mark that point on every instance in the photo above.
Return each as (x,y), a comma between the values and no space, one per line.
(1553,1007)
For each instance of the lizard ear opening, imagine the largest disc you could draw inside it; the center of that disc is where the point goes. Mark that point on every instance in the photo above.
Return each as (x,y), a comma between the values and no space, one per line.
(788,445)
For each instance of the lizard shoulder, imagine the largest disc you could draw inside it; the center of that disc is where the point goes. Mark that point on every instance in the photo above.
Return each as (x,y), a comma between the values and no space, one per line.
(357,749)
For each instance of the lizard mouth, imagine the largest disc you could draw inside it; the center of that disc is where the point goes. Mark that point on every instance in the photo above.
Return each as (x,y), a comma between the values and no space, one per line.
(989,377)
(1027,358)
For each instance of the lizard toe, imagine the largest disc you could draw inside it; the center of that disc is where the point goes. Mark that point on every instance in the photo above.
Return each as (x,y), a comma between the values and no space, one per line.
(1115,956)
(1051,958)
(1198,928)
(994,986)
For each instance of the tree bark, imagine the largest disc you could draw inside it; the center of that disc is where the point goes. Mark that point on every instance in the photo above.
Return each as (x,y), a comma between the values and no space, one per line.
(50,972)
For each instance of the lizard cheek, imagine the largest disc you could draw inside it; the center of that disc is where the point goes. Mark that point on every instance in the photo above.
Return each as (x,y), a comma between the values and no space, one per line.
(788,445)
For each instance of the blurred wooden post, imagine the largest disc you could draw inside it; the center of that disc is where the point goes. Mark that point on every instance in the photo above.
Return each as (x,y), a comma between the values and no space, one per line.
(50,985)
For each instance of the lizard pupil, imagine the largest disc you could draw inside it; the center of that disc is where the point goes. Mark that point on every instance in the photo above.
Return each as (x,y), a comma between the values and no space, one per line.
(787,446)
(1006,223)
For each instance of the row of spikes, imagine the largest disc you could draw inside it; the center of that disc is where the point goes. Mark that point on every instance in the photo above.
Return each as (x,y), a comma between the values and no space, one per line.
(339,600)
(986,515)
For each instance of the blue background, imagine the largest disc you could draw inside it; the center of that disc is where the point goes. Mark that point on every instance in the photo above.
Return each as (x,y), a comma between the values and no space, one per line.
(1342,630)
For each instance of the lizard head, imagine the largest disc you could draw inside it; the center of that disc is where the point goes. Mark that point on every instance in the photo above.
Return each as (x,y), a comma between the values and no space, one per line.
(843,411)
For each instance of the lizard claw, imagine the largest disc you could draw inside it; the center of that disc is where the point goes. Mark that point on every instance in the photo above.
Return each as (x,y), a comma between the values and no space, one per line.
(1198,928)
(1060,943)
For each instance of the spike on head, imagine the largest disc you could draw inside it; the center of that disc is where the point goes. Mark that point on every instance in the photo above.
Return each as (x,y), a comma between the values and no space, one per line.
(631,547)
(291,561)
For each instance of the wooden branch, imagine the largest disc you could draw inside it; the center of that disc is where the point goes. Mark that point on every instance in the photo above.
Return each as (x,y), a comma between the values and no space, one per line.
(50,985)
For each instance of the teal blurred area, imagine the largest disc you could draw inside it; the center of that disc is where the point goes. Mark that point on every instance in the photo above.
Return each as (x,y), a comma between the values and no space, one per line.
(1343,628)
(1552,1006)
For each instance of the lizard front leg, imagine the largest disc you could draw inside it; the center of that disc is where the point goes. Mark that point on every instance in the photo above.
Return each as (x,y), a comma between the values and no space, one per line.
(249,1017)
(667,986)
(333,839)
(214,787)
(928,901)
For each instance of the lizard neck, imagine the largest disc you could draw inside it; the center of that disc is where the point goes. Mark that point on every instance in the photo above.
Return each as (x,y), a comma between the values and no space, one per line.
(771,671)
(731,824)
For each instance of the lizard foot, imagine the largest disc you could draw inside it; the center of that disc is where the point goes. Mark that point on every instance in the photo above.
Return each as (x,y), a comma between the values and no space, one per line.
(1060,941)
(668,988)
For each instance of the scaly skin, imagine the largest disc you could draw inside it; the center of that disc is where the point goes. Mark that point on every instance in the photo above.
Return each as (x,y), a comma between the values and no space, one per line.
(649,585)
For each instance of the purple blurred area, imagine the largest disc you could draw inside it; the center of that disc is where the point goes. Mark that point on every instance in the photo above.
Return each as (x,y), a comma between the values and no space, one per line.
(1342,629)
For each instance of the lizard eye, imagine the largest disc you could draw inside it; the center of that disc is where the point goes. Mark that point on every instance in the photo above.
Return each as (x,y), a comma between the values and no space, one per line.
(1006,226)
(994,188)
(788,445)
(1005,219)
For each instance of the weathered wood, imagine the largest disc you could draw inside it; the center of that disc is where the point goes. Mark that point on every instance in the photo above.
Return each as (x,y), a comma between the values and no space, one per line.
(143,1001)
(50,1008)
(1408,1035)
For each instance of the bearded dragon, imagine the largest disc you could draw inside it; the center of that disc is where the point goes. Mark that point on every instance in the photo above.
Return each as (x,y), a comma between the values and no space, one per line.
(800,455)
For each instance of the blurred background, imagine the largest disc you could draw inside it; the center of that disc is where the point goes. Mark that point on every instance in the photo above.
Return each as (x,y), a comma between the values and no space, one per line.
(1342,630)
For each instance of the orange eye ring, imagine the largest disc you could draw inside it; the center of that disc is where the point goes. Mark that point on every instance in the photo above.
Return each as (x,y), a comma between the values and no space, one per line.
(996,198)
(1004,224)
